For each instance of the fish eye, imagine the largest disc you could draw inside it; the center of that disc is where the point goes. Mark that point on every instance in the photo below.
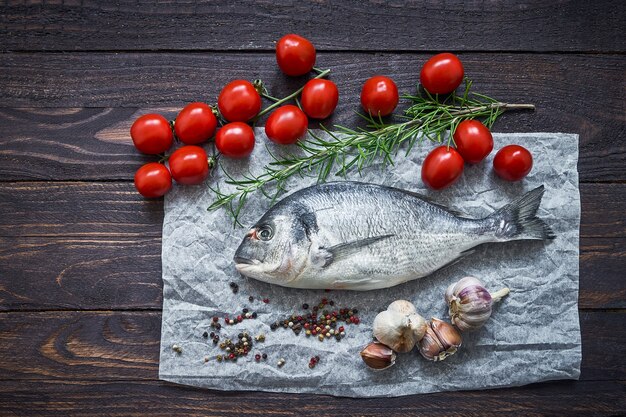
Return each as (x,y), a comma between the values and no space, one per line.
(265,232)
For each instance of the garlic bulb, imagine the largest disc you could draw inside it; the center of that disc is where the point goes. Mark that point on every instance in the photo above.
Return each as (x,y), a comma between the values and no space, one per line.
(399,327)
(378,356)
(440,341)
(470,304)
(402,307)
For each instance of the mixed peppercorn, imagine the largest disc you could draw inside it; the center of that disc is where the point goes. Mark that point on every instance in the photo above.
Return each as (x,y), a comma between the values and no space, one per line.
(321,321)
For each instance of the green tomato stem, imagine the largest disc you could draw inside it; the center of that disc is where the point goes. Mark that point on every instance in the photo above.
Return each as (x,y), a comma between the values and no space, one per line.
(287,98)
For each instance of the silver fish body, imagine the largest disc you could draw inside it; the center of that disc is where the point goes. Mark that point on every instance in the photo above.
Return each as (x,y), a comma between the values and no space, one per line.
(359,236)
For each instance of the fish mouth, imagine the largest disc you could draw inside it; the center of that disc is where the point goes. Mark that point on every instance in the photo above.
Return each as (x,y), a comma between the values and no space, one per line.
(243,264)
(242,260)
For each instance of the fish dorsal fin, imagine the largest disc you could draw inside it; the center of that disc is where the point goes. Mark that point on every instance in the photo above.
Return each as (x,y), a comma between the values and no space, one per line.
(439,205)
(326,256)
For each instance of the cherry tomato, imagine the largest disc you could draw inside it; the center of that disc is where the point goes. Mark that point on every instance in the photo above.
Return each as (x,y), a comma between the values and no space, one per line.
(152,134)
(473,141)
(153,180)
(442,167)
(379,96)
(319,98)
(239,101)
(512,162)
(235,140)
(295,55)
(189,165)
(195,123)
(286,125)
(442,74)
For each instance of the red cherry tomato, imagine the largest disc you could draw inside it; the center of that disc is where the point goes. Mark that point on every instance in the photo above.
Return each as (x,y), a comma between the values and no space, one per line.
(473,141)
(379,96)
(235,140)
(442,74)
(239,101)
(153,180)
(319,98)
(189,165)
(442,167)
(286,125)
(295,55)
(512,162)
(152,134)
(195,123)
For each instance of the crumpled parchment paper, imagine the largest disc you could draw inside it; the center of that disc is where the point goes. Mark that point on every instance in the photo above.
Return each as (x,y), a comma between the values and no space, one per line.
(533,334)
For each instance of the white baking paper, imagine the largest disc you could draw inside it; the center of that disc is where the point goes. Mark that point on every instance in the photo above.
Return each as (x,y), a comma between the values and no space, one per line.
(533,334)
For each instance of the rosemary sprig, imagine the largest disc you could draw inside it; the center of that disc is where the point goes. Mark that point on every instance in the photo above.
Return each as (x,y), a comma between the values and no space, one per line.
(345,149)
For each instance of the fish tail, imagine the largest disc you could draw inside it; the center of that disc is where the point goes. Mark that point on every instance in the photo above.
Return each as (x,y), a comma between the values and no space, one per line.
(518,220)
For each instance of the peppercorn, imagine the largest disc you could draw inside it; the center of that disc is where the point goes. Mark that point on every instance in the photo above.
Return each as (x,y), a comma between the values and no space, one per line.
(177,349)
(251,298)
(254,315)
(273,326)
(219,358)
(266,300)
(257,357)
(305,306)
(215,319)
(206,334)
(264,356)
(233,285)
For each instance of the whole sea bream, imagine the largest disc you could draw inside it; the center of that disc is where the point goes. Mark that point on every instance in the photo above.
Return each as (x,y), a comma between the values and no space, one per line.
(359,236)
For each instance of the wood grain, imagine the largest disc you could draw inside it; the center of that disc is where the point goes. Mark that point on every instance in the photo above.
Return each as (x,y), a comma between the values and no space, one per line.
(138,398)
(72,209)
(42,273)
(73,141)
(85,273)
(346,25)
(125,345)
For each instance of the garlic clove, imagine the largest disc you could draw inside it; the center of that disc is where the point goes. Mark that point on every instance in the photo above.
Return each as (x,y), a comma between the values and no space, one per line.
(403,307)
(418,326)
(440,341)
(378,356)
(394,330)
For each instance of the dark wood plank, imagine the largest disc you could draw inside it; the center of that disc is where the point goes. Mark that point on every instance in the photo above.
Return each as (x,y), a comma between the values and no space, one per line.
(73,209)
(125,345)
(93,143)
(42,273)
(85,273)
(77,209)
(347,25)
(92,398)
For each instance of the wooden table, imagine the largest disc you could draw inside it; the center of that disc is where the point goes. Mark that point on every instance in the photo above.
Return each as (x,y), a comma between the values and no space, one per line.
(80,270)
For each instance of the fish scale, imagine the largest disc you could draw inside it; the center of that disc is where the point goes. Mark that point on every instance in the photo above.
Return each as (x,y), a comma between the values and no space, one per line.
(359,236)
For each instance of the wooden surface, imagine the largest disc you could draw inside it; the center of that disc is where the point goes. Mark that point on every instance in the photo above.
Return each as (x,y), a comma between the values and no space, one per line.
(80,273)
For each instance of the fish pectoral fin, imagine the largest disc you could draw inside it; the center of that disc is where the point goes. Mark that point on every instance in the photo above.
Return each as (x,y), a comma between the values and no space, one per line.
(326,256)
